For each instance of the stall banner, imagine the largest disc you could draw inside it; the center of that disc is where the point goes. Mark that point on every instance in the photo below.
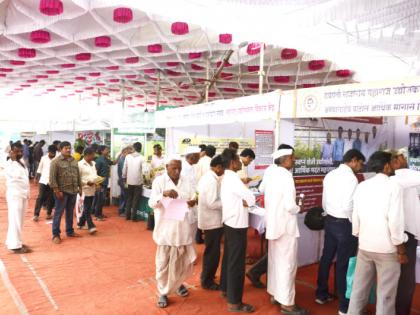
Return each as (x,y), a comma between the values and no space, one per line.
(121,140)
(414,143)
(90,137)
(388,98)
(219,143)
(264,148)
(136,122)
(250,108)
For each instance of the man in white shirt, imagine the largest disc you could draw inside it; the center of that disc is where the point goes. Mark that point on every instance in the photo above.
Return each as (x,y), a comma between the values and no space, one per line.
(133,175)
(175,253)
(236,198)
(45,195)
(17,195)
(203,165)
(409,180)
(378,221)
(158,160)
(246,157)
(282,232)
(88,177)
(210,220)
(337,201)
(192,155)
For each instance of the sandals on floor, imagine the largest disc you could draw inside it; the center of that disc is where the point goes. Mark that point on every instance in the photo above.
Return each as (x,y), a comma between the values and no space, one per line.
(242,308)
(295,311)
(182,291)
(162,301)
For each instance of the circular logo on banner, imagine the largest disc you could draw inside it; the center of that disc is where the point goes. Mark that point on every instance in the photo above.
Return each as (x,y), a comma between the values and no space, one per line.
(310,103)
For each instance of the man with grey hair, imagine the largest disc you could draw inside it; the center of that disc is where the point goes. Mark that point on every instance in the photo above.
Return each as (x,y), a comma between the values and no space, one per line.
(175,253)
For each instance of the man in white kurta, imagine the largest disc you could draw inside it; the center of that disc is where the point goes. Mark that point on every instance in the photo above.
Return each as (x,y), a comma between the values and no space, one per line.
(17,195)
(282,232)
(175,251)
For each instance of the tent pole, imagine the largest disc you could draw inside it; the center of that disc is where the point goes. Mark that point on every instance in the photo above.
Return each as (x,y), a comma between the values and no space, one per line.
(207,80)
(158,91)
(261,71)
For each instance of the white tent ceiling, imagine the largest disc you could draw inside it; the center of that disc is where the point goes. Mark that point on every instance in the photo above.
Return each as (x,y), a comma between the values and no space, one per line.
(121,49)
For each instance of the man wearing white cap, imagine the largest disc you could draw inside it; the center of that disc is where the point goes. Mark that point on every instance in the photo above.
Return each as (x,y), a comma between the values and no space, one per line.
(192,155)
(409,180)
(175,251)
(282,232)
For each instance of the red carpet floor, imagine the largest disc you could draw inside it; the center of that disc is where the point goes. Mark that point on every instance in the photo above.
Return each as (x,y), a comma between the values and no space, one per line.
(112,273)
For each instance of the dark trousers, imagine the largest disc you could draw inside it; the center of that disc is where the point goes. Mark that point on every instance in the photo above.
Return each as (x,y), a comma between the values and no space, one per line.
(87,213)
(45,196)
(133,201)
(407,282)
(259,268)
(99,201)
(123,198)
(338,240)
(67,205)
(233,265)
(211,256)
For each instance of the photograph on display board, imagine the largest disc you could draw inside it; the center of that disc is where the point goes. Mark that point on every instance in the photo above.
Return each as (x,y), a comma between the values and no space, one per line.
(321,144)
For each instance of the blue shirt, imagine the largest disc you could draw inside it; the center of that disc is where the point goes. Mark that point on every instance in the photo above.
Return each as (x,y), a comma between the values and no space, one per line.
(103,168)
(120,166)
(338,150)
(25,152)
(357,144)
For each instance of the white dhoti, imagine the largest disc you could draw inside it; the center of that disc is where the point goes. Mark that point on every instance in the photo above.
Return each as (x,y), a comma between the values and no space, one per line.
(16,210)
(282,267)
(173,265)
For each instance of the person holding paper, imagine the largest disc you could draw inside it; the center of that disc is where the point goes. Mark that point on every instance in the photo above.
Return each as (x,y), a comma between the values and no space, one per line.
(282,232)
(175,253)
(246,158)
(210,220)
(236,198)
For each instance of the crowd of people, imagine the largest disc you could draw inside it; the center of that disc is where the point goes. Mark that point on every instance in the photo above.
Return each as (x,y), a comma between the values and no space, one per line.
(376,220)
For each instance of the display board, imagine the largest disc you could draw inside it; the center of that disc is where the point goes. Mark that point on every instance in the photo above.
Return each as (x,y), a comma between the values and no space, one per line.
(121,140)
(219,143)
(264,148)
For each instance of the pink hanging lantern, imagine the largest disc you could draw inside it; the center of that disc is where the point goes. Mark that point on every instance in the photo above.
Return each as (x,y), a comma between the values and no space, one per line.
(26,53)
(150,103)
(139,96)
(114,80)
(315,65)
(51,7)
(177,99)
(132,60)
(89,88)
(253,68)
(308,85)
(103,41)
(345,73)
(184,87)
(68,65)
(41,76)
(227,64)
(32,81)
(172,64)
(253,85)
(226,76)
(3,75)
(173,73)
(59,86)
(113,68)
(25,85)
(196,67)
(79,91)
(40,37)
(52,71)
(94,74)
(281,79)
(231,90)
(100,84)
(83,57)
(50,90)
(113,90)
(179,28)
(191,97)
(225,38)
(139,82)
(253,48)
(194,55)
(6,70)
(68,82)
(17,62)
(149,71)
(155,49)
(123,15)
(80,78)
(131,76)
(288,53)
(212,94)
